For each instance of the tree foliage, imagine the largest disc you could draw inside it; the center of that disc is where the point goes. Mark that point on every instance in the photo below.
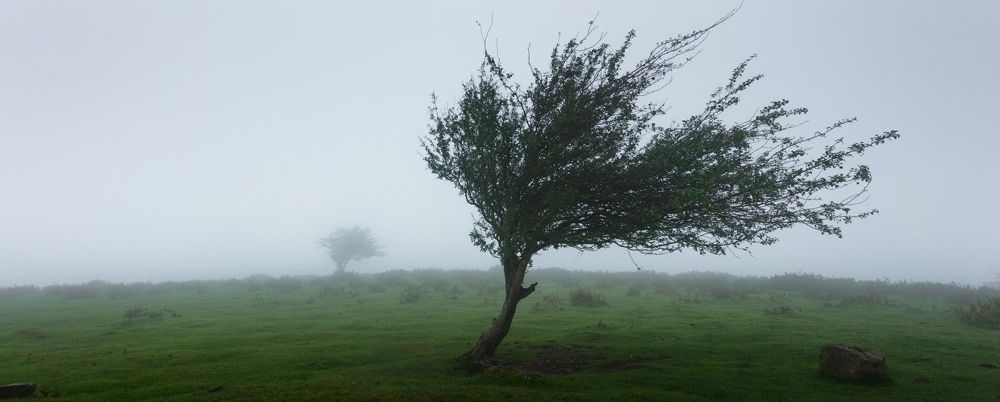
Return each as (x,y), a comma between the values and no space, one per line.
(350,244)
(576,158)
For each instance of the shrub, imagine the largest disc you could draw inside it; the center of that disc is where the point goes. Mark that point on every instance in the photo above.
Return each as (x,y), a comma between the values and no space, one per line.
(586,298)
(635,289)
(411,294)
(985,313)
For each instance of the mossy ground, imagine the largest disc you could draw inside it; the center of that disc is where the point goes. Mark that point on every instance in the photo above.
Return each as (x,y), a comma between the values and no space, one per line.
(232,343)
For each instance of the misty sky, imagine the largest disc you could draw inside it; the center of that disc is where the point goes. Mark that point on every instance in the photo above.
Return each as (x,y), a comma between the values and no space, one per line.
(171,140)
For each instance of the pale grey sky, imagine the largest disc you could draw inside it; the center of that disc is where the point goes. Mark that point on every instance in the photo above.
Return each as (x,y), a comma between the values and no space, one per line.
(161,140)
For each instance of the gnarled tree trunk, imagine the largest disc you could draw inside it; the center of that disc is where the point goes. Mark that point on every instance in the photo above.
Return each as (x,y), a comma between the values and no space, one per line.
(490,340)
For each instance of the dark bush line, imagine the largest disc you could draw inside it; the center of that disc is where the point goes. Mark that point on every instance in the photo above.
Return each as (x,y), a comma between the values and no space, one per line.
(490,282)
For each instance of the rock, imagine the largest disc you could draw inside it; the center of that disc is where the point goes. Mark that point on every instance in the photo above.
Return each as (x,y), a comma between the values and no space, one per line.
(852,363)
(988,365)
(17,390)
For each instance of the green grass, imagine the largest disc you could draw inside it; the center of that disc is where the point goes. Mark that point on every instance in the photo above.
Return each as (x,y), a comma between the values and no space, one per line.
(271,345)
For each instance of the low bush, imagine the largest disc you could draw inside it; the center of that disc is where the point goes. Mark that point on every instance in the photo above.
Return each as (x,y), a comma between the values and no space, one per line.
(411,294)
(582,297)
(985,313)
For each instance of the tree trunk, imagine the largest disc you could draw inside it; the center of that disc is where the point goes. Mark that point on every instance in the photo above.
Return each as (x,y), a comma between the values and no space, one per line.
(490,340)
(341,267)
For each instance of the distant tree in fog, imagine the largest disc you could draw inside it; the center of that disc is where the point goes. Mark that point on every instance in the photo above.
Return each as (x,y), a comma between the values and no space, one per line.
(350,244)
(573,158)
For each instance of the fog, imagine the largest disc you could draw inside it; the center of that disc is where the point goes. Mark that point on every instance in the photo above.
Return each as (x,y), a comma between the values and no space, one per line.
(171,140)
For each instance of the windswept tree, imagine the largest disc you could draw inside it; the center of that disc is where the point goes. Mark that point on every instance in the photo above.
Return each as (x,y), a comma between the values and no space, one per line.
(350,244)
(574,158)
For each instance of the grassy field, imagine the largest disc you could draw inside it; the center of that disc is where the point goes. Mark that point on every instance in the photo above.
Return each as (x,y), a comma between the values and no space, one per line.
(394,337)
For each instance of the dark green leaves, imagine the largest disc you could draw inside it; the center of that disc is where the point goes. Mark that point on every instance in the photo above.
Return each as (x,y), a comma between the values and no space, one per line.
(574,159)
